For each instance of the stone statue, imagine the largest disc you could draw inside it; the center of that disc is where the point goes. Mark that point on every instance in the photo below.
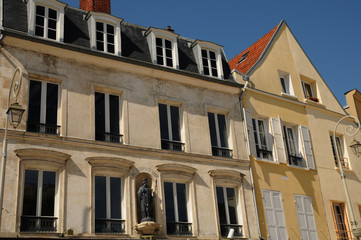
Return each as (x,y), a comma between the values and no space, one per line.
(145,198)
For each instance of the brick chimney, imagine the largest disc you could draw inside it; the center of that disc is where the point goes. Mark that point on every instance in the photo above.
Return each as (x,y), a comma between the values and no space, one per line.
(95,5)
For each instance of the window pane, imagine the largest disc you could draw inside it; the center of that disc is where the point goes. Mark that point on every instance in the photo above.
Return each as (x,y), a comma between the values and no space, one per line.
(48,195)
(205,62)
(51,34)
(168,53)
(52,14)
(30,192)
(159,42)
(214,72)
(110,29)
(212,129)
(99,116)
(52,104)
(212,55)
(168,44)
(39,31)
(100,46)
(39,21)
(221,206)
(232,204)
(182,204)
(115,198)
(222,130)
(114,114)
(206,71)
(283,84)
(100,197)
(204,54)
(174,112)
(159,51)
(52,24)
(100,26)
(169,62)
(34,102)
(100,36)
(40,10)
(262,135)
(169,201)
(111,48)
(163,120)
(160,60)
(110,39)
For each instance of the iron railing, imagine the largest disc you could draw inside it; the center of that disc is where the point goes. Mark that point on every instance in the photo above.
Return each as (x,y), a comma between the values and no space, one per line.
(109,137)
(221,152)
(238,230)
(296,161)
(43,128)
(172,145)
(179,228)
(109,225)
(343,161)
(343,235)
(38,224)
(264,153)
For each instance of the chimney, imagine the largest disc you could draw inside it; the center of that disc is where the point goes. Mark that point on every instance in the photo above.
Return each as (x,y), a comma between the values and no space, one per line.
(95,5)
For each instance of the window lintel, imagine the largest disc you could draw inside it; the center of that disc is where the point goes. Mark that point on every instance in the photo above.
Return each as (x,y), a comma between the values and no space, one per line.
(207,45)
(57,5)
(49,157)
(104,17)
(118,165)
(226,176)
(162,33)
(177,169)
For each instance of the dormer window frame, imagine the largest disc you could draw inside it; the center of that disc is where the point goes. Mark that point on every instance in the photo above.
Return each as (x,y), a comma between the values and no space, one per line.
(209,47)
(47,4)
(152,34)
(96,17)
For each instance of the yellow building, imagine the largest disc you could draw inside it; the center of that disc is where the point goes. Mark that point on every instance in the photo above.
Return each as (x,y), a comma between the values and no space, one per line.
(353,99)
(290,114)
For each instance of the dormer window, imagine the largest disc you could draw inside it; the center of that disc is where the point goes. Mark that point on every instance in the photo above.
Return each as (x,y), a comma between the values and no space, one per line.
(104,32)
(209,58)
(163,46)
(46,19)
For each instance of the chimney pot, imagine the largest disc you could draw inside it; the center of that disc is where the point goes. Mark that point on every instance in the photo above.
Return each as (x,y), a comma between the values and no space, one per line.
(95,5)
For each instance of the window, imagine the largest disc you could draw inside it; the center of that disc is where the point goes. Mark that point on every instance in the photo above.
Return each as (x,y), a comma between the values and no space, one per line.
(42,190)
(164,52)
(339,152)
(107,118)
(108,213)
(170,127)
(306,218)
(39,202)
(275,218)
(227,210)
(104,30)
(261,136)
(307,89)
(209,63)
(291,140)
(43,107)
(340,221)
(229,199)
(286,83)
(105,37)
(176,209)
(218,133)
(209,58)
(163,46)
(46,19)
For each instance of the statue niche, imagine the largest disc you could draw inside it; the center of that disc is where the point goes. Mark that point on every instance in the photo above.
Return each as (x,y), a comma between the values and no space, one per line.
(145,200)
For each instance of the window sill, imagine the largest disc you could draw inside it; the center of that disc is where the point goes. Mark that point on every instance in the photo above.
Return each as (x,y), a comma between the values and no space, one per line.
(345,170)
(265,160)
(317,104)
(39,234)
(289,96)
(300,168)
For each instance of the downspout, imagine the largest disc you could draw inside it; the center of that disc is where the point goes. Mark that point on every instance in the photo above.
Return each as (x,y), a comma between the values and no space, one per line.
(1,17)
(247,79)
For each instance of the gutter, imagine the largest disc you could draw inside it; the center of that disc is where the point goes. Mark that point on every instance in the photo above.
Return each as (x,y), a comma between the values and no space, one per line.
(247,79)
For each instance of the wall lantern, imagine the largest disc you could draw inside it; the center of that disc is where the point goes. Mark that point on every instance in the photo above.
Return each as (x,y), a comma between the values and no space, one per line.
(15,113)
(356,147)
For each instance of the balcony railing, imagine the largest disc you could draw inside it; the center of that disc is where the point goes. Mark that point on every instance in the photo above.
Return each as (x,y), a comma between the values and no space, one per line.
(343,161)
(296,161)
(179,228)
(172,145)
(221,152)
(38,224)
(43,128)
(238,230)
(109,225)
(264,154)
(343,235)
(109,137)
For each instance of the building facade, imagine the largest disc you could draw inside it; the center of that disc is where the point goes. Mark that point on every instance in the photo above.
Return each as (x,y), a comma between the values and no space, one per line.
(290,115)
(108,104)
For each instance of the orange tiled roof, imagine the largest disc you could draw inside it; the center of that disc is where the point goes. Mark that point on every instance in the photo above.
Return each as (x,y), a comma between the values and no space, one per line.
(254,53)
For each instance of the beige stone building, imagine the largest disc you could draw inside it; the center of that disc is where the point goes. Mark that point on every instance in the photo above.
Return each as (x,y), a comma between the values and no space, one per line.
(107,104)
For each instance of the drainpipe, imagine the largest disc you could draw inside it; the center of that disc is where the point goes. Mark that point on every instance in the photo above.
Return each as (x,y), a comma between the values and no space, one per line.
(247,79)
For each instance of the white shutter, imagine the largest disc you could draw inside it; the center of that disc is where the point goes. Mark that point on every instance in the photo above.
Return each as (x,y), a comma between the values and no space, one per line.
(279,146)
(250,134)
(276,224)
(306,219)
(307,147)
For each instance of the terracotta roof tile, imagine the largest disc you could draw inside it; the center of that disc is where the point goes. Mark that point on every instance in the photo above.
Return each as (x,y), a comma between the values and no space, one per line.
(252,54)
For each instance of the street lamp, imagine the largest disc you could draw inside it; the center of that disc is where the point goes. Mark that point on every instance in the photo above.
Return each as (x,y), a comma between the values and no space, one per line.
(355,145)
(14,114)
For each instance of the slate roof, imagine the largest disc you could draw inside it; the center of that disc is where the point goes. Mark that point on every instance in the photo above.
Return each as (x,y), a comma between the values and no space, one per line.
(134,44)
(253,53)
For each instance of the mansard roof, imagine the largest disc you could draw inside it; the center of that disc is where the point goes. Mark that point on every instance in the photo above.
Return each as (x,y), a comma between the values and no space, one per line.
(134,45)
(247,59)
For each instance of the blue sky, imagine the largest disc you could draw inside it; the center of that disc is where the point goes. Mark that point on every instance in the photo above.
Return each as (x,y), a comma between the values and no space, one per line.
(328,31)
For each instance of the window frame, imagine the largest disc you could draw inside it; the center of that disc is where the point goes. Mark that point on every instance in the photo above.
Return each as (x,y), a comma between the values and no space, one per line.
(152,34)
(341,152)
(296,156)
(45,127)
(107,117)
(32,159)
(257,138)
(97,17)
(52,4)
(219,150)
(306,90)
(198,46)
(286,83)
(345,223)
